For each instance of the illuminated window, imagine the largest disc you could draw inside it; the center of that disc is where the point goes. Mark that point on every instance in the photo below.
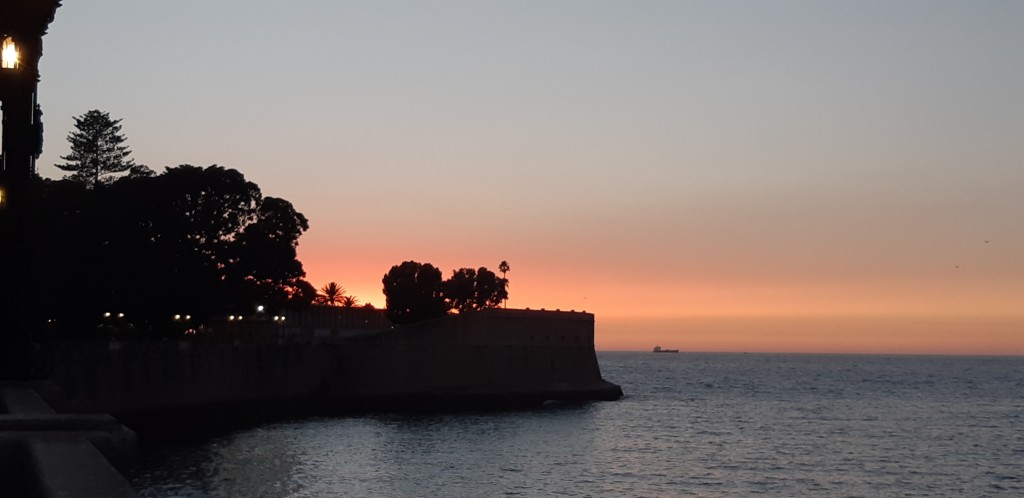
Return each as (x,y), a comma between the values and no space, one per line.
(8,54)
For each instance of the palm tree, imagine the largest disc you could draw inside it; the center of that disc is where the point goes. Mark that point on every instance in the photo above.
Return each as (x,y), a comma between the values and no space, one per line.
(331,294)
(503,268)
(349,301)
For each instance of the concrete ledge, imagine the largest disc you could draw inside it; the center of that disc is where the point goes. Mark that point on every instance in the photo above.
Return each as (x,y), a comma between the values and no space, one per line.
(22,399)
(49,455)
(68,466)
(59,422)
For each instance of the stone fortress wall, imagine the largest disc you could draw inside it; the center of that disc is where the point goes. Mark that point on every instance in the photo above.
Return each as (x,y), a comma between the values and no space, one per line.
(491,357)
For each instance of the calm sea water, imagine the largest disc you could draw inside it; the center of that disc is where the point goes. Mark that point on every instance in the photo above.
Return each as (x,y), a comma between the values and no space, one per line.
(690,424)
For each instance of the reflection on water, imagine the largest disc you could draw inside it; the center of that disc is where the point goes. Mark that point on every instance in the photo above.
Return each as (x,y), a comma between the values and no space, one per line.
(389,455)
(257,462)
(783,425)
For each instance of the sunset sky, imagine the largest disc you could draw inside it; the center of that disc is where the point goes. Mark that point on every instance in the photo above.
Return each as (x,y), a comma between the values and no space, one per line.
(805,176)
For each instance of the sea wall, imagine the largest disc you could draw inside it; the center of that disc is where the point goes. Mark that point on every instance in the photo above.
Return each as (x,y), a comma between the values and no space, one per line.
(510,353)
(491,357)
(130,378)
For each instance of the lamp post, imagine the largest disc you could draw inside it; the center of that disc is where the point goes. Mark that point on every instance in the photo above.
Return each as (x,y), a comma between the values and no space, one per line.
(22,26)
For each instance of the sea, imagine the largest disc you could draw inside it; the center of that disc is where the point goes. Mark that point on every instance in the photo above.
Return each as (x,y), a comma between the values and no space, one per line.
(689,425)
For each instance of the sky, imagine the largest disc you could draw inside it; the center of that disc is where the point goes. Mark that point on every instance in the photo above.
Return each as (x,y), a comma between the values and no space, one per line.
(789,176)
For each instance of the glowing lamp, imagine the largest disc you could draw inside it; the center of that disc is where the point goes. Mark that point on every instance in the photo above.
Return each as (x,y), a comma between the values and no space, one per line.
(9,54)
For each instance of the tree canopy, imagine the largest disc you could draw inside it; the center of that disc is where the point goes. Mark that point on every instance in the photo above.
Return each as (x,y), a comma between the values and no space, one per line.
(415,291)
(192,240)
(468,289)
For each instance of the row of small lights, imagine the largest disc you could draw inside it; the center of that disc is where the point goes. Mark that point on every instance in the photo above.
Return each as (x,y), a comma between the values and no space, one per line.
(259,309)
(238,318)
(121,315)
(232,318)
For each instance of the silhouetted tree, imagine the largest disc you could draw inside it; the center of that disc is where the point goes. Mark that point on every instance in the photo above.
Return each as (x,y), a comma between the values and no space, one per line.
(489,289)
(504,268)
(349,301)
(414,293)
(264,256)
(301,294)
(197,241)
(331,294)
(140,171)
(460,289)
(470,289)
(97,150)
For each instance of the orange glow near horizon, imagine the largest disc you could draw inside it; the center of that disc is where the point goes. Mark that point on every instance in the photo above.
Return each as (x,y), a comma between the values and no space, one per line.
(849,334)
(811,317)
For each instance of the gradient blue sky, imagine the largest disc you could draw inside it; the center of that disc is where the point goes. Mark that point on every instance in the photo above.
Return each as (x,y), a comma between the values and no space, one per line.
(766,176)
